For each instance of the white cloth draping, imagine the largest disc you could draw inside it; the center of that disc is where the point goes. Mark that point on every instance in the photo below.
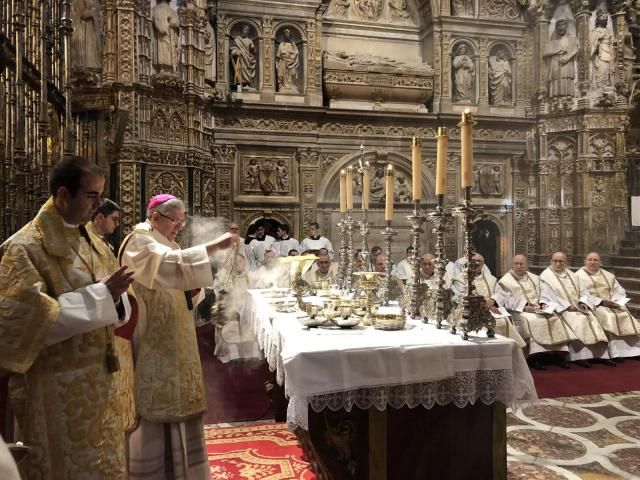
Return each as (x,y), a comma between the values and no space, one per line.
(420,365)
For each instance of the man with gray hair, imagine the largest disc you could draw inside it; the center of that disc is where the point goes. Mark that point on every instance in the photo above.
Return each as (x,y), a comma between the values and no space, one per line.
(168,387)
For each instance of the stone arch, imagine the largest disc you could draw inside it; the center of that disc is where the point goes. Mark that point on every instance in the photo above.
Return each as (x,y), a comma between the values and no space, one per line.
(176,133)
(271,218)
(329,189)
(299,39)
(255,33)
(159,125)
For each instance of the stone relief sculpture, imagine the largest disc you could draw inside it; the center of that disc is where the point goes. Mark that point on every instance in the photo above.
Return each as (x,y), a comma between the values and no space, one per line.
(560,55)
(166,26)
(86,41)
(369,9)
(602,42)
(628,56)
(377,185)
(398,9)
(209,52)
(464,76)
(500,79)
(463,8)
(339,8)
(243,58)
(287,64)
(266,175)
(401,189)
(487,180)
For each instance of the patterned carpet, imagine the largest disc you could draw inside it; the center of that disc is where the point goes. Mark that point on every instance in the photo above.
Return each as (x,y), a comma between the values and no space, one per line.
(592,437)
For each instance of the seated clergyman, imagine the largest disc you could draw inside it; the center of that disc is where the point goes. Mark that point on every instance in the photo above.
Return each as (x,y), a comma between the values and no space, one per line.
(485,284)
(519,292)
(323,273)
(564,289)
(609,298)
(271,274)
(395,285)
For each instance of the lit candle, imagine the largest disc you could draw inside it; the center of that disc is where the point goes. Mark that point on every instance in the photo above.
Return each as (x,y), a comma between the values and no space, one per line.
(349,185)
(466,149)
(416,162)
(441,163)
(343,191)
(366,186)
(388,206)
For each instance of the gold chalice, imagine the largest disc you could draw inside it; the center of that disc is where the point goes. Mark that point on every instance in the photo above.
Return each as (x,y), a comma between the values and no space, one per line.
(299,265)
(370,281)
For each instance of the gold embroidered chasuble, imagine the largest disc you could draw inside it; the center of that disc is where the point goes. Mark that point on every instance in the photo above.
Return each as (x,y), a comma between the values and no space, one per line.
(544,329)
(567,287)
(63,396)
(122,346)
(601,284)
(168,384)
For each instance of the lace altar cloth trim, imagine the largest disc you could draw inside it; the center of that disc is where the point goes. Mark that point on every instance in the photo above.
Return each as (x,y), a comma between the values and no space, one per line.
(487,386)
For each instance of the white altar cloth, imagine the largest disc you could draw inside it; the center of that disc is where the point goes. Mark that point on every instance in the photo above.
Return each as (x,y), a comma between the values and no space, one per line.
(420,365)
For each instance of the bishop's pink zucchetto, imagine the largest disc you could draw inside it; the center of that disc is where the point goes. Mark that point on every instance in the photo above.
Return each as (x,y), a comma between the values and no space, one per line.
(159,199)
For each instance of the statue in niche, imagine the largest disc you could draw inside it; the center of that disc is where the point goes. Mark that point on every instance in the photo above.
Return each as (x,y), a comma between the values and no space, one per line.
(282,177)
(500,85)
(487,180)
(287,62)
(166,26)
(209,52)
(398,9)
(243,56)
(401,189)
(86,41)
(464,76)
(602,53)
(463,8)
(376,192)
(560,55)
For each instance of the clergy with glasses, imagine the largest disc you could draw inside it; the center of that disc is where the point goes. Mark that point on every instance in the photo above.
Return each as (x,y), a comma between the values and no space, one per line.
(519,292)
(621,327)
(572,301)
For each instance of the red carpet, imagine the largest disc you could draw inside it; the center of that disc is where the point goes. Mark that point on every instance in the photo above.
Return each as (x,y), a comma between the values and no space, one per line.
(235,390)
(556,382)
(266,451)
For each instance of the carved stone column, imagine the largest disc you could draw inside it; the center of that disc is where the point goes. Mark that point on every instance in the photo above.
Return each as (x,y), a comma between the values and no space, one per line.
(437,70)
(192,23)
(308,167)
(483,80)
(540,65)
(128,197)
(267,93)
(110,50)
(313,76)
(222,49)
(445,8)
(445,72)
(125,21)
(224,161)
(143,42)
(583,15)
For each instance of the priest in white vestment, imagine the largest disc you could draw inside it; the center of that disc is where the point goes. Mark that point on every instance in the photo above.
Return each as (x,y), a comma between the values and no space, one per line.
(519,292)
(272,274)
(403,269)
(323,276)
(622,328)
(169,388)
(258,246)
(485,285)
(285,243)
(562,287)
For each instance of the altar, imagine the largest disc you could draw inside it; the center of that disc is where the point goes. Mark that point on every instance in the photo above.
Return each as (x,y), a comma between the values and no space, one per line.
(414,403)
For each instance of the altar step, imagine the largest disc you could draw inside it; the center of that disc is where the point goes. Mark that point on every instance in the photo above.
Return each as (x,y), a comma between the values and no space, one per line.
(626,267)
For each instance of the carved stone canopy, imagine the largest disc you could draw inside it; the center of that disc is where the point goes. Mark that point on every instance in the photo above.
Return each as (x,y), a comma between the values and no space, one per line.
(363,80)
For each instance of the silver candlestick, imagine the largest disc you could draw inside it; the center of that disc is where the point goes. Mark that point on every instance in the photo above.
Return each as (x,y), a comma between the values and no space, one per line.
(342,260)
(388,234)
(364,232)
(416,219)
(362,170)
(439,219)
(349,264)
(474,314)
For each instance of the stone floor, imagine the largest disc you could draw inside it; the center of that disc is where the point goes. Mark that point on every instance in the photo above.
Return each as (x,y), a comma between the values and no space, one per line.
(592,437)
